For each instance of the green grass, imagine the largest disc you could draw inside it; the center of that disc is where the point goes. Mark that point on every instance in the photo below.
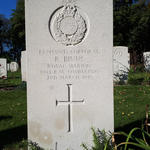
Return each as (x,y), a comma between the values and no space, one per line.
(13,112)
(130,102)
(12,109)
(13,116)
(13,79)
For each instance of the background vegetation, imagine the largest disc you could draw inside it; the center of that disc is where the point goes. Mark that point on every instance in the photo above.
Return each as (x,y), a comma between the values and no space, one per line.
(12,33)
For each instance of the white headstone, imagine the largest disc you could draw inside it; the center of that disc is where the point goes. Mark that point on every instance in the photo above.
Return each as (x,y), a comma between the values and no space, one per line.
(23,66)
(13,66)
(3,68)
(147,60)
(70,76)
(8,67)
(121,63)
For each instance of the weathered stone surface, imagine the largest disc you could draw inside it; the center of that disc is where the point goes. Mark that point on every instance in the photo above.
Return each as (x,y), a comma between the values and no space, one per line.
(121,63)
(23,66)
(70,76)
(3,68)
(147,60)
(8,67)
(13,66)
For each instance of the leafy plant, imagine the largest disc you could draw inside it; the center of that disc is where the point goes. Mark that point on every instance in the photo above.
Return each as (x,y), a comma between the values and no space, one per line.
(137,139)
(132,140)
(142,142)
(34,146)
(138,78)
(101,139)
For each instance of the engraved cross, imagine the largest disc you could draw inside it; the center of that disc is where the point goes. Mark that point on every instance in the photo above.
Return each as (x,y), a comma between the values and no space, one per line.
(69,103)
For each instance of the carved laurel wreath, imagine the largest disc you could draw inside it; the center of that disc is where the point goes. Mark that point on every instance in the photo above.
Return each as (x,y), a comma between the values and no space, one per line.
(78,36)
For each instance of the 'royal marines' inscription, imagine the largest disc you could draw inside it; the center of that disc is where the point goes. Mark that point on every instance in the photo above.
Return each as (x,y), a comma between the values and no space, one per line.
(68,64)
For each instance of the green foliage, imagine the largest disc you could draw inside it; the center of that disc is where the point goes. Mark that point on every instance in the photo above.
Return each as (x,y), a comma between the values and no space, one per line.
(131,28)
(7,55)
(138,78)
(135,78)
(101,141)
(18,30)
(4,33)
(137,69)
(23,145)
(34,146)
(133,140)
(12,33)
(121,3)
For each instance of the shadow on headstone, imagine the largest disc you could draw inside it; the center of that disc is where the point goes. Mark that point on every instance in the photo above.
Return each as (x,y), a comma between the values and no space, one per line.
(13,135)
(121,76)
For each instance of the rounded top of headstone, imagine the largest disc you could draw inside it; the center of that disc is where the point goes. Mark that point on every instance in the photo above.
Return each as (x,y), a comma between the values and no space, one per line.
(118,51)
(146,53)
(3,59)
(13,66)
